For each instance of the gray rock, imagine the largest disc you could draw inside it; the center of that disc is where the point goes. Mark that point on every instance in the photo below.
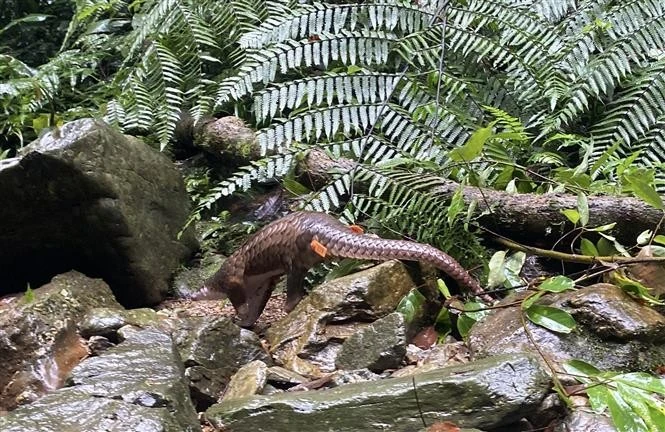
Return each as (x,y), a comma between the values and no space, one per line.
(217,349)
(98,344)
(614,331)
(248,381)
(280,375)
(305,340)
(582,421)
(484,394)
(377,347)
(87,197)
(106,321)
(135,386)
(38,340)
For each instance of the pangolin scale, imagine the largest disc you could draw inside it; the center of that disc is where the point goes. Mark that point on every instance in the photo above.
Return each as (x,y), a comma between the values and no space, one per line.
(286,246)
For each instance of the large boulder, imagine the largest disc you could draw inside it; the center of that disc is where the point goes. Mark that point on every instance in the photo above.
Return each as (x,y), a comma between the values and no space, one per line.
(86,197)
(39,344)
(138,385)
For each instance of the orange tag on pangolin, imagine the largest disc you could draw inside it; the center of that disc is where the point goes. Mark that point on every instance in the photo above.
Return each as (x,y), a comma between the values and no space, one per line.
(357,229)
(319,248)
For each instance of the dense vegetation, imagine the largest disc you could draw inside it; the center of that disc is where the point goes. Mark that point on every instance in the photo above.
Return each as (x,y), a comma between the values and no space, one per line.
(515,95)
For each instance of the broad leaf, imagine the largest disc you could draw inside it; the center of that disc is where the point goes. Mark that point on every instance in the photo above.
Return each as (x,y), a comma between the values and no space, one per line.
(588,248)
(557,284)
(551,318)
(583,208)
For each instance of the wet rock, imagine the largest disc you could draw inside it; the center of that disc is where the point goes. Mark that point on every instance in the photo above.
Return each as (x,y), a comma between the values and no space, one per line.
(614,331)
(584,421)
(379,346)
(248,381)
(135,386)
(280,376)
(486,395)
(98,344)
(38,340)
(217,349)
(344,377)
(438,356)
(86,197)
(190,280)
(307,341)
(106,321)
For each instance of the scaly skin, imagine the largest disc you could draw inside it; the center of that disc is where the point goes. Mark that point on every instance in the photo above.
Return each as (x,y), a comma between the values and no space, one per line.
(284,246)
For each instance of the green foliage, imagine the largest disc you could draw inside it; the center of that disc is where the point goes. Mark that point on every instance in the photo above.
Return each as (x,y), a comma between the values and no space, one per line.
(633,400)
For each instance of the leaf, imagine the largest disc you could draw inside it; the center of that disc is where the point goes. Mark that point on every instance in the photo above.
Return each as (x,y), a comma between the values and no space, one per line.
(512,268)
(643,381)
(529,301)
(443,323)
(572,215)
(474,146)
(644,237)
(603,228)
(643,190)
(605,247)
(660,239)
(588,248)
(623,417)
(557,284)
(294,187)
(581,368)
(583,208)
(411,304)
(551,318)
(443,288)
(29,295)
(464,324)
(496,275)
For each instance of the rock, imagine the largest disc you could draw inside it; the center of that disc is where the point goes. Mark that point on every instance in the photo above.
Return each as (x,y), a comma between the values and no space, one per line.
(307,340)
(216,349)
(484,394)
(583,421)
(614,331)
(87,197)
(135,386)
(438,356)
(98,344)
(190,280)
(379,346)
(344,377)
(248,381)
(227,136)
(39,344)
(106,321)
(280,376)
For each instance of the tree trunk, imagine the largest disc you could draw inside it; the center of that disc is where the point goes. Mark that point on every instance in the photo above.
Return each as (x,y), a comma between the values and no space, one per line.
(531,218)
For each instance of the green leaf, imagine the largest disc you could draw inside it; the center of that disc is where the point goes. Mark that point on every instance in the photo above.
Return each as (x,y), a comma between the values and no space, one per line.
(443,288)
(660,239)
(557,284)
(605,247)
(588,248)
(496,275)
(443,323)
(455,207)
(581,368)
(643,381)
(29,295)
(475,310)
(464,324)
(623,417)
(583,208)
(572,215)
(603,228)
(411,304)
(473,147)
(512,268)
(294,187)
(644,237)
(529,301)
(643,190)
(551,318)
